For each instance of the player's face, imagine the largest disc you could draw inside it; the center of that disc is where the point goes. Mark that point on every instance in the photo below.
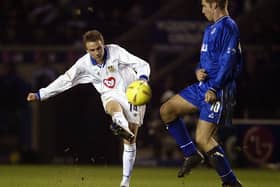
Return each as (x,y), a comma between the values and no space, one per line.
(208,10)
(96,50)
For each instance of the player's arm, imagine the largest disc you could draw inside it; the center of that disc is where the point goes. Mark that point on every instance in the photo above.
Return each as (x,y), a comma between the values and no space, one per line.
(141,67)
(227,59)
(200,73)
(70,78)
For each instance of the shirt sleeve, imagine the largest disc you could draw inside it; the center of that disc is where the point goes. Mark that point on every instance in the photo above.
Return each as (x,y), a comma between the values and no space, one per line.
(140,66)
(228,58)
(72,77)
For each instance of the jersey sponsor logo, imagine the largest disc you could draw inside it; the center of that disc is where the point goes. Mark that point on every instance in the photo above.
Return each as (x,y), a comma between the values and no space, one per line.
(110,82)
(204,47)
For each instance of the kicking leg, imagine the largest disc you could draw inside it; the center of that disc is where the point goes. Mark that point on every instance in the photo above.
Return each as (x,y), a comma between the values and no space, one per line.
(120,124)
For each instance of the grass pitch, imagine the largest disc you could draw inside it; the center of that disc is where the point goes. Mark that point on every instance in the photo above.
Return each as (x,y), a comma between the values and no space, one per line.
(109,176)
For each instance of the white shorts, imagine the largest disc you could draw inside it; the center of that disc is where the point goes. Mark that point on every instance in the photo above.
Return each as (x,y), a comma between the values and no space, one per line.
(133,114)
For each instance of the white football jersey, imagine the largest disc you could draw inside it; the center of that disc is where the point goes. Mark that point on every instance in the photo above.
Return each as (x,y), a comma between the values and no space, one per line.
(110,79)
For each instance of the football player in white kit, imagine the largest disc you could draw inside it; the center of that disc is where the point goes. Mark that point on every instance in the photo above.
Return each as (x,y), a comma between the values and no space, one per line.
(110,68)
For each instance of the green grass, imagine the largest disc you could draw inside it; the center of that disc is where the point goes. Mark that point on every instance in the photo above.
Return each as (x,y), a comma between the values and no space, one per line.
(109,176)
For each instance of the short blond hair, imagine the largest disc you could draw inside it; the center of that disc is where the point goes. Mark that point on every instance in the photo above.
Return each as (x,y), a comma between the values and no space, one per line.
(92,36)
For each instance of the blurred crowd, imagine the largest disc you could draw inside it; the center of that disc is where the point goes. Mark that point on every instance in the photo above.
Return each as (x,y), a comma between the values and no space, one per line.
(63,21)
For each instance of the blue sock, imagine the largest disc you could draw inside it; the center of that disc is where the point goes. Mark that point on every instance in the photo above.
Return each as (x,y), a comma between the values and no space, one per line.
(219,161)
(179,132)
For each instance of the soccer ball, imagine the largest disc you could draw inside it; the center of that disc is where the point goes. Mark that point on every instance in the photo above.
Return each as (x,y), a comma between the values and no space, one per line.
(138,93)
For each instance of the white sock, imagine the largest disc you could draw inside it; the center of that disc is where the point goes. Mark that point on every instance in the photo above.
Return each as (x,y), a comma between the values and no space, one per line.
(129,155)
(119,119)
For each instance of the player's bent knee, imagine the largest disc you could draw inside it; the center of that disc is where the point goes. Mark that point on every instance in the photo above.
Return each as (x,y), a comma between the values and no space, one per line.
(167,113)
(163,112)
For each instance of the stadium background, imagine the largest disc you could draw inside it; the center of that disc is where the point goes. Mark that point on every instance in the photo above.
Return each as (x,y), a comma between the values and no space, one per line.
(39,39)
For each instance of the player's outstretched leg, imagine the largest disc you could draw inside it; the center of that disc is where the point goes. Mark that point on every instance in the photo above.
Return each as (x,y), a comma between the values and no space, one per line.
(189,163)
(118,131)
(119,119)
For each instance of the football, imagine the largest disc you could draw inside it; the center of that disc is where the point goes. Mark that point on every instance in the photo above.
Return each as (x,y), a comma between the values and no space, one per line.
(138,93)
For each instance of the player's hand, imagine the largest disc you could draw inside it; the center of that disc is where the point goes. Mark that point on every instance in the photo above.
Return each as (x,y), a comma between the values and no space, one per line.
(201,74)
(32,97)
(210,97)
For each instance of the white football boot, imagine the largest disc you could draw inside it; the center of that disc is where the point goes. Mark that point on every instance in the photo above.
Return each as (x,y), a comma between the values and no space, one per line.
(125,182)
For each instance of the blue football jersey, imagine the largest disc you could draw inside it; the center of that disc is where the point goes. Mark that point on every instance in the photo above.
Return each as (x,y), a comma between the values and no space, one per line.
(221,58)
(221,53)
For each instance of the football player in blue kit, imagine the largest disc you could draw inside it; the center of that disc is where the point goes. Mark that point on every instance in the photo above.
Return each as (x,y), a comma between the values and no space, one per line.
(212,95)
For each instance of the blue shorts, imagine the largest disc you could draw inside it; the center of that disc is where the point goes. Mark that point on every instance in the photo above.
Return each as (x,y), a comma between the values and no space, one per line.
(217,113)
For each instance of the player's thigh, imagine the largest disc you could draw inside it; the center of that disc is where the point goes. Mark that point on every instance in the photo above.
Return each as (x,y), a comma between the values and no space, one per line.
(180,105)
(113,106)
(177,105)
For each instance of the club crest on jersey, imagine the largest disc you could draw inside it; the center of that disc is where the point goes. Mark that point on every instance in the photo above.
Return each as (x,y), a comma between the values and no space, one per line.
(110,82)
(111,69)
